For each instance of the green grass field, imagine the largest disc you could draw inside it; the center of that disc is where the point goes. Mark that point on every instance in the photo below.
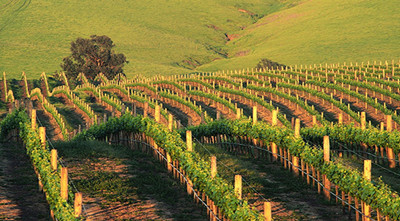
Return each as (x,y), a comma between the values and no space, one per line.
(173,37)
(319,31)
(156,36)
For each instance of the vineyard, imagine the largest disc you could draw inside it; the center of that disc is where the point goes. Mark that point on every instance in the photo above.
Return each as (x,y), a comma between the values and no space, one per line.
(315,142)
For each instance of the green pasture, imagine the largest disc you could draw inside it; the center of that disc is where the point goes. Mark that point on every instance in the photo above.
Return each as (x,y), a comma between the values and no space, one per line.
(174,36)
(157,36)
(319,31)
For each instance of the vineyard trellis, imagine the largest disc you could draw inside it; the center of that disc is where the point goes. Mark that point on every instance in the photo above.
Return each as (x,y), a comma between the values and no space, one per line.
(354,105)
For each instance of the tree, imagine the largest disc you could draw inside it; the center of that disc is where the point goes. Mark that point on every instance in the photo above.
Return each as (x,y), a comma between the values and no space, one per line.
(93,56)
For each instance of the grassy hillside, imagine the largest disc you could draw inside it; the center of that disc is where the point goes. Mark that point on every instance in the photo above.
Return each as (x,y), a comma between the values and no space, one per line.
(319,31)
(156,36)
(165,37)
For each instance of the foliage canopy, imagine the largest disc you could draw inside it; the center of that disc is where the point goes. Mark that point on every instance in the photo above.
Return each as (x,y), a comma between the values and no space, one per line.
(93,56)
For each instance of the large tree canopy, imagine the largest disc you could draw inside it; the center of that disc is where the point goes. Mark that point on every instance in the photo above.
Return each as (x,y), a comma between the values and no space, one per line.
(93,56)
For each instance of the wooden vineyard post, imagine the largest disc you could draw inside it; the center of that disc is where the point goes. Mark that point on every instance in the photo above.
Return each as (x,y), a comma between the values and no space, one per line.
(326,182)
(189,185)
(295,165)
(170,122)
(134,110)
(53,159)
(326,149)
(238,186)
(218,115)
(367,176)
(390,154)
(33,119)
(267,211)
(314,120)
(363,120)
(254,115)
(189,143)
(367,170)
(157,113)
(389,125)
(340,120)
(274,117)
(297,128)
(42,136)
(213,166)
(64,183)
(145,109)
(78,204)
(169,161)
(391,158)
(237,113)
(274,150)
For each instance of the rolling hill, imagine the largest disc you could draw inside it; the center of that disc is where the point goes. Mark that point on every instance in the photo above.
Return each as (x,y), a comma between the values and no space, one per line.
(318,31)
(156,36)
(173,36)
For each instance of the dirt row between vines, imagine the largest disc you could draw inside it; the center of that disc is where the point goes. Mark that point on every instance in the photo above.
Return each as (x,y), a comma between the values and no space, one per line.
(118,183)
(20,198)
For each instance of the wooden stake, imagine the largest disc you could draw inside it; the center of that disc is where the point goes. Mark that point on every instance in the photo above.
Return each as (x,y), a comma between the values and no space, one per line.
(189,184)
(213,166)
(237,113)
(389,125)
(40,182)
(53,159)
(134,110)
(33,119)
(391,158)
(170,122)
(189,143)
(297,128)
(145,109)
(367,176)
(64,183)
(254,115)
(169,161)
(78,204)
(326,182)
(238,186)
(157,113)
(285,158)
(340,121)
(274,150)
(274,117)
(42,135)
(367,170)
(314,120)
(363,121)
(295,165)
(326,148)
(267,211)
